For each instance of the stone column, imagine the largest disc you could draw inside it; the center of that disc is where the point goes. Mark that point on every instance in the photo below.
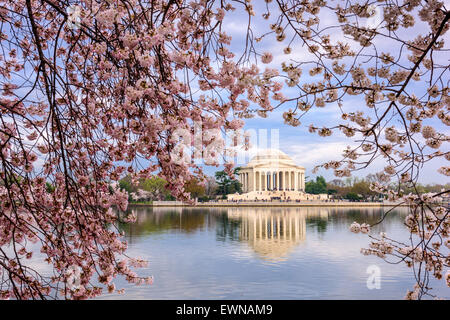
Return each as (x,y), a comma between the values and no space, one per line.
(277,182)
(256,177)
(300,181)
(293,180)
(281,180)
(254,180)
(286,186)
(247,182)
(296,180)
(303,181)
(269,181)
(272,180)
(261,181)
(274,184)
(266,180)
(285,181)
(289,180)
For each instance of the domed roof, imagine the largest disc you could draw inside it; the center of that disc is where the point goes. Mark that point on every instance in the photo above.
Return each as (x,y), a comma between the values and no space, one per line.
(271,156)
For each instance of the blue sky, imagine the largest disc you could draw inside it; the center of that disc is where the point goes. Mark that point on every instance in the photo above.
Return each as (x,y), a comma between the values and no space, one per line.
(305,148)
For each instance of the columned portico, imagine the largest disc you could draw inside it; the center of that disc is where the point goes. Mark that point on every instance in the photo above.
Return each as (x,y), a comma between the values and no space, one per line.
(272,170)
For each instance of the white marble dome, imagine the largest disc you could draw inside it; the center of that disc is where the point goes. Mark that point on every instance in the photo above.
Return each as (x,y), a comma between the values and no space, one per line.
(270,156)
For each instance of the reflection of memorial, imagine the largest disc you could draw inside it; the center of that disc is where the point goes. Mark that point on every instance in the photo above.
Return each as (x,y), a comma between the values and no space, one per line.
(272,233)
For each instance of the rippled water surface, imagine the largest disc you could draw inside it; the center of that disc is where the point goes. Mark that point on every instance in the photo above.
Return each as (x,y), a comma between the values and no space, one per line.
(262,253)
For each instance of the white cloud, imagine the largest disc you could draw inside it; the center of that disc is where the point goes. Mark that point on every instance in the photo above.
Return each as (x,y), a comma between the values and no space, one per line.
(312,153)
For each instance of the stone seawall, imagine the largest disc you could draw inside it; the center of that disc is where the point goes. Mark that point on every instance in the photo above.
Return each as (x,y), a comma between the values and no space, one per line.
(273,204)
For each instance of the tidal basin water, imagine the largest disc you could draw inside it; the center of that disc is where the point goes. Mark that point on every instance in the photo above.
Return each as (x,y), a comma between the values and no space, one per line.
(264,253)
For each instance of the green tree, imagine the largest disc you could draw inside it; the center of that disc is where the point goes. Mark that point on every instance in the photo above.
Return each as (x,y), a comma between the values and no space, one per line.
(195,189)
(316,187)
(331,191)
(352,196)
(125,184)
(226,184)
(155,186)
(362,187)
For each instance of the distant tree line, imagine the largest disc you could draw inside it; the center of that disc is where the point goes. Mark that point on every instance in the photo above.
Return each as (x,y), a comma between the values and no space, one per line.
(151,189)
(154,189)
(358,189)
(353,189)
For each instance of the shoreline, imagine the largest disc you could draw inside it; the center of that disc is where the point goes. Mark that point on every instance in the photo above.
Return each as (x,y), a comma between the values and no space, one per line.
(159,204)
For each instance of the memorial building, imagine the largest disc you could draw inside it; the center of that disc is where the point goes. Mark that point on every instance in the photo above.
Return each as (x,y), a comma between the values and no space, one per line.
(272,175)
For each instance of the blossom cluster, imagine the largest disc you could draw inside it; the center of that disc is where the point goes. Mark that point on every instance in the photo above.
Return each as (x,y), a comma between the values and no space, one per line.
(83,107)
(382,66)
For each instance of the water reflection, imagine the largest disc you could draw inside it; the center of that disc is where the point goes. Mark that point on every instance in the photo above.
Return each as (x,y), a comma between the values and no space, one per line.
(160,220)
(272,233)
(262,253)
